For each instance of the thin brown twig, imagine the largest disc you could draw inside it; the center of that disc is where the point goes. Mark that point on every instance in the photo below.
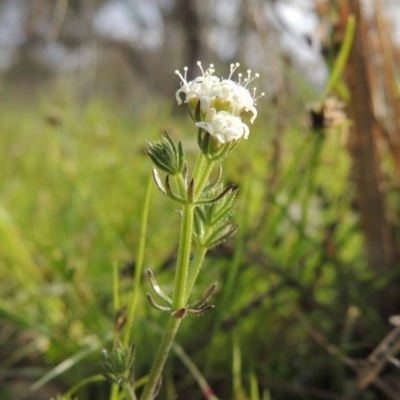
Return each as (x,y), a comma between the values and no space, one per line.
(367,374)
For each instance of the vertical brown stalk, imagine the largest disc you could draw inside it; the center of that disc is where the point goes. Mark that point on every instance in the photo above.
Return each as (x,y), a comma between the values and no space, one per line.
(386,50)
(364,152)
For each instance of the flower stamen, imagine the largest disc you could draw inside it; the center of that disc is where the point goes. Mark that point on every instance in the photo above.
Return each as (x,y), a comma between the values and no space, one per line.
(234,67)
(183,78)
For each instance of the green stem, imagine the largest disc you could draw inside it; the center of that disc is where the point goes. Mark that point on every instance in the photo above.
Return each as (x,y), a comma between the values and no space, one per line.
(201,173)
(183,257)
(178,301)
(342,57)
(181,185)
(199,167)
(134,297)
(114,395)
(194,270)
(130,394)
(203,178)
(161,357)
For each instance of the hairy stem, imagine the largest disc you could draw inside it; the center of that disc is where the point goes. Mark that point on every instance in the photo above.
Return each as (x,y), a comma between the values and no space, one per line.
(203,178)
(178,301)
(181,185)
(130,394)
(185,241)
(199,167)
(161,357)
(194,270)
(201,173)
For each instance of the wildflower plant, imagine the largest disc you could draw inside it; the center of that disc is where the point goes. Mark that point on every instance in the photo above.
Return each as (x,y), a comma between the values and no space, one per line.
(215,105)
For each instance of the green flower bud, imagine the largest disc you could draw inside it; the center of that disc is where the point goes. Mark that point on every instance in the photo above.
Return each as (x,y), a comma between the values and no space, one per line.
(167,156)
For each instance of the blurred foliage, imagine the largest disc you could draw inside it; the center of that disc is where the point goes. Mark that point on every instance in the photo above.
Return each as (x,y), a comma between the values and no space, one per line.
(72,184)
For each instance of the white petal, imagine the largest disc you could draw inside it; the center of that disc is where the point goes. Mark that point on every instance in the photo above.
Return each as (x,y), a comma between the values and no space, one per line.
(206,126)
(210,116)
(205,102)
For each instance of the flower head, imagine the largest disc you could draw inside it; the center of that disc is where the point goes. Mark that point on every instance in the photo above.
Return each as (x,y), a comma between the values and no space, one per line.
(203,88)
(221,94)
(224,127)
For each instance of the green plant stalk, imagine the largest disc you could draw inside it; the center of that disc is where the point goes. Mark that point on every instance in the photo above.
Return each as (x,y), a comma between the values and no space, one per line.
(253,387)
(201,181)
(342,57)
(236,370)
(181,185)
(199,167)
(134,298)
(114,395)
(178,301)
(185,241)
(130,394)
(201,172)
(161,357)
(116,301)
(194,269)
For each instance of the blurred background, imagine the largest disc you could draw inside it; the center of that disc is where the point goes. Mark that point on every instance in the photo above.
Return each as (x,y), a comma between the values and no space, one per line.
(147,40)
(308,288)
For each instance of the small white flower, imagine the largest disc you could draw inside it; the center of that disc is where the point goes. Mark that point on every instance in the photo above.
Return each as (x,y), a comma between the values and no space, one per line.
(225,94)
(203,88)
(224,126)
(238,95)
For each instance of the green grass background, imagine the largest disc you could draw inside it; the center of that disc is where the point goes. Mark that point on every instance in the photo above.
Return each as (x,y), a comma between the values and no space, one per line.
(72,182)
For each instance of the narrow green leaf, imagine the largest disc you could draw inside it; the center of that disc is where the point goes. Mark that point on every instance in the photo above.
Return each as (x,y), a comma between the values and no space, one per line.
(200,212)
(158,163)
(70,362)
(181,157)
(16,318)
(342,57)
(169,139)
(227,190)
(84,382)
(215,182)
(220,235)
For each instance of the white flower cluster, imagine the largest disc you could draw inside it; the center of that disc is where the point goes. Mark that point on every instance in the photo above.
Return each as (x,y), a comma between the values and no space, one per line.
(223,126)
(221,102)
